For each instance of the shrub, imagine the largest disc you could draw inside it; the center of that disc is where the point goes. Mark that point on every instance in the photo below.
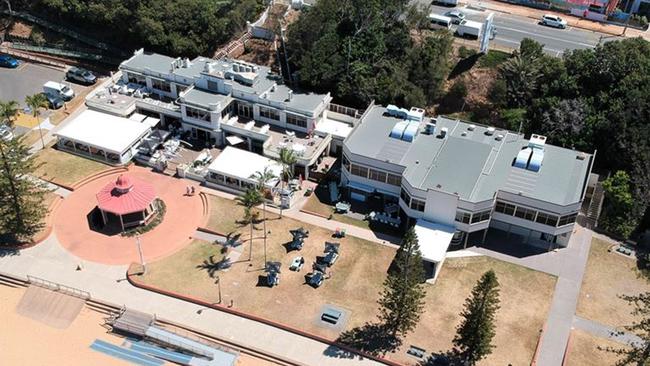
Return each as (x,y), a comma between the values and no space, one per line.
(464,52)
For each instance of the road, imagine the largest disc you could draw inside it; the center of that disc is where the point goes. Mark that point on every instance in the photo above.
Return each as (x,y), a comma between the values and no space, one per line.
(512,28)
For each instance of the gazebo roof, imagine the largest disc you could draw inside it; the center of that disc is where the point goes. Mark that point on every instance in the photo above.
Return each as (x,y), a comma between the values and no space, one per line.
(125,196)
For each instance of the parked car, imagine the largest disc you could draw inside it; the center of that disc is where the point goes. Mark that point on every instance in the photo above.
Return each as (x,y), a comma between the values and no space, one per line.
(456,16)
(58,90)
(8,61)
(445,2)
(6,133)
(53,101)
(80,75)
(438,21)
(553,21)
(297,264)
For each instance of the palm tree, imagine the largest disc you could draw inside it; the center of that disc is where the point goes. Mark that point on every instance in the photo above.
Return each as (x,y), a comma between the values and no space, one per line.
(287,159)
(35,103)
(263,178)
(249,199)
(8,110)
(521,76)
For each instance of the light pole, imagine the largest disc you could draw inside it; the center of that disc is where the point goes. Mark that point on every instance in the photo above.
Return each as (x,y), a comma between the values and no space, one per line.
(217,282)
(9,6)
(144,266)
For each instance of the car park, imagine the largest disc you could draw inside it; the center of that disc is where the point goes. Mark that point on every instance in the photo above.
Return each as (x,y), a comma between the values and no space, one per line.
(80,75)
(8,61)
(58,90)
(53,101)
(553,21)
(456,16)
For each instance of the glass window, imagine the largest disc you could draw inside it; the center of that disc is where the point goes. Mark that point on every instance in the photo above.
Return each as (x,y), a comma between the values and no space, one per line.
(462,216)
(505,208)
(270,113)
(226,111)
(394,180)
(161,85)
(417,204)
(360,171)
(525,213)
(405,197)
(377,175)
(546,219)
(295,120)
(197,113)
(481,216)
(137,79)
(568,219)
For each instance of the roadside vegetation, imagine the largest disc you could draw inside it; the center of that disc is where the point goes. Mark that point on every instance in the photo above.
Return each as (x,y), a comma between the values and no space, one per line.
(178,28)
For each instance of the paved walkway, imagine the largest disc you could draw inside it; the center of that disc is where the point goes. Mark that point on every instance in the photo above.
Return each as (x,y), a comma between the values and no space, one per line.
(50,261)
(604,331)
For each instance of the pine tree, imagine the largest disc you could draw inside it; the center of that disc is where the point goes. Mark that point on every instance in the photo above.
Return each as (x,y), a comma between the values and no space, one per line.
(21,197)
(473,340)
(636,353)
(401,302)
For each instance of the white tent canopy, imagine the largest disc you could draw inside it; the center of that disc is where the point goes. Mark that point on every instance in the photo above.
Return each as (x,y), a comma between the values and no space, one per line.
(434,240)
(242,164)
(104,131)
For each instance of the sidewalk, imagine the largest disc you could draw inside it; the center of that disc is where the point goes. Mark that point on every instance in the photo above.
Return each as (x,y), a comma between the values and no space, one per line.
(573,21)
(49,261)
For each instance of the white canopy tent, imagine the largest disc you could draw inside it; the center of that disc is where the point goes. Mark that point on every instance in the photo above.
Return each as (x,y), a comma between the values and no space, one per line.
(239,165)
(434,240)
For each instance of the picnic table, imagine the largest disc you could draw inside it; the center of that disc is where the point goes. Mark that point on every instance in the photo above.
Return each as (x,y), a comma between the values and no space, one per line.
(342,207)
(384,218)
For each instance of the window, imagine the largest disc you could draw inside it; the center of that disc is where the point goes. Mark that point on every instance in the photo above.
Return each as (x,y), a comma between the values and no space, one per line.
(217,177)
(270,113)
(377,175)
(137,79)
(417,205)
(161,85)
(462,216)
(525,213)
(360,171)
(481,216)
(546,219)
(197,113)
(505,208)
(405,197)
(346,163)
(212,85)
(299,121)
(226,111)
(568,219)
(394,180)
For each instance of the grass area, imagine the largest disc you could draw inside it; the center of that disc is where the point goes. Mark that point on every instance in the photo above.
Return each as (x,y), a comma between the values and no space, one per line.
(493,59)
(33,136)
(583,350)
(355,283)
(313,204)
(65,168)
(525,299)
(607,276)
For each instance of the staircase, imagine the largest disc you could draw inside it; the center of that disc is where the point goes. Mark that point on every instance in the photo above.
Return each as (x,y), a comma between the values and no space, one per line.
(596,204)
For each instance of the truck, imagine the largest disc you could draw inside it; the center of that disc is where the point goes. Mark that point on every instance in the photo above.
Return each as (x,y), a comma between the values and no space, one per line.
(469,29)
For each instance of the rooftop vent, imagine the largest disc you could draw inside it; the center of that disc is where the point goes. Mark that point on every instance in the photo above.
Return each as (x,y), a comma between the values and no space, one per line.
(430,128)
(499,137)
(581,156)
(490,131)
(537,141)
(471,127)
(395,111)
(186,62)
(415,114)
(443,132)
(464,133)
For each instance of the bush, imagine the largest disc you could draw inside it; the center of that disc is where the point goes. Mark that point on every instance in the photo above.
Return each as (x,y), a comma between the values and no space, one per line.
(499,93)
(493,59)
(37,37)
(464,52)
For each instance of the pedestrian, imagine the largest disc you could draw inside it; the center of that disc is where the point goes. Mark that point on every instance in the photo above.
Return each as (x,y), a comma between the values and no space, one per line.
(192,190)
(187,190)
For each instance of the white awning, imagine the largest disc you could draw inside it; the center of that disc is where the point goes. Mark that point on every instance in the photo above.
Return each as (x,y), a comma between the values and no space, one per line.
(138,117)
(242,164)
(151,121)
(361,187)
(234,140)
(434,239)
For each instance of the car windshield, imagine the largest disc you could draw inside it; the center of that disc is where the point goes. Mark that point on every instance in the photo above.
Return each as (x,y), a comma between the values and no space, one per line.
(86,74)
(65,89)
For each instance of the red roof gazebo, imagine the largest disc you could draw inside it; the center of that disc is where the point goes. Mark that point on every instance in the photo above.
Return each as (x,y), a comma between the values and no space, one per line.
(129,199)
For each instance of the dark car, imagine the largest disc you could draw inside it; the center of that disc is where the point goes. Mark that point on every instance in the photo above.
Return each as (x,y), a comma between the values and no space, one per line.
(53,102)
(80,75)
(456,16)
(8,61)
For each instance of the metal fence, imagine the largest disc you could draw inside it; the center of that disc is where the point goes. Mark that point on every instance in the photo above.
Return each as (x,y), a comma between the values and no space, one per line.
(40,282)
(65,53)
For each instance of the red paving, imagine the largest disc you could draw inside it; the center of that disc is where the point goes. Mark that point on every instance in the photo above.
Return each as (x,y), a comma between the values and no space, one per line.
(184,214)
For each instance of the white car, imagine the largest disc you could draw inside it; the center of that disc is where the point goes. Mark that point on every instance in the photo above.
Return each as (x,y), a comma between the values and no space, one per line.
(554,21)
(6,133)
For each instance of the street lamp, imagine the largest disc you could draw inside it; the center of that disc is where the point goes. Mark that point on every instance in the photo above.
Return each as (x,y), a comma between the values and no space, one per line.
(217,282)
(144,266)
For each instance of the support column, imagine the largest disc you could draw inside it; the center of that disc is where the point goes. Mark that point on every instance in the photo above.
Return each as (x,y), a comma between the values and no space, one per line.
(484,236)
(306,169)
(103,216)
(121,222)
(465,240)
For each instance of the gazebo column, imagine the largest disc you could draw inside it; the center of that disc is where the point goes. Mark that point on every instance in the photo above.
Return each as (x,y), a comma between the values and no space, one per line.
(103,216)
(121,222)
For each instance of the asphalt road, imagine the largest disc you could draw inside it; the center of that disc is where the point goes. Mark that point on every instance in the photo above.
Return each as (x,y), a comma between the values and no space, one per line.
(511,29)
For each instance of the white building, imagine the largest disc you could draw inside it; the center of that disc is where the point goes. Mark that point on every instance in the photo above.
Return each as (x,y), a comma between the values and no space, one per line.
(234,170)
(469,177)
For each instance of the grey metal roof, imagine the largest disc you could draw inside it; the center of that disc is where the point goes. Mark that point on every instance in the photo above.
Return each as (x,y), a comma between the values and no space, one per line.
(306,102)
(152,61)
(195,68)
(203,98)
(470,162)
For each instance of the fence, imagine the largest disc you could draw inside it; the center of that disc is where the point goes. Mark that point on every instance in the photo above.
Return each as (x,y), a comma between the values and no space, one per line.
(58,287)
(352,112)
(65,53)
(32,58)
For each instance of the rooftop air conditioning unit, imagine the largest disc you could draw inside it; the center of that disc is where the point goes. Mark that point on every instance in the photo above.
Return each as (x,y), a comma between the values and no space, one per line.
(490,131)
(443,132)
(471,127)
(430,128)
(499,137)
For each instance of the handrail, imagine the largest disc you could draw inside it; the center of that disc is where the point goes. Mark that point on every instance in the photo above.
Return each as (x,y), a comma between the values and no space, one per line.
(40,282)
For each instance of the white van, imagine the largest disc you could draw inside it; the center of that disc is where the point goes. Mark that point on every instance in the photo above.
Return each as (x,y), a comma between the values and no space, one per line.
(58,90)
(446,2)
(469,29)
(437,21)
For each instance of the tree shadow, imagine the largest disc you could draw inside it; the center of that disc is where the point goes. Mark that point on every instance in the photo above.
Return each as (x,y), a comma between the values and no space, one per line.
(8,251)
(447,358)
(463,65)
(371,338)
(643,261)
(212,266)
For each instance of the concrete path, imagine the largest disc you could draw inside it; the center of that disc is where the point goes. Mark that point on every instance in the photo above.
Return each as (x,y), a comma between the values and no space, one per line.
(605,331)
(50,261)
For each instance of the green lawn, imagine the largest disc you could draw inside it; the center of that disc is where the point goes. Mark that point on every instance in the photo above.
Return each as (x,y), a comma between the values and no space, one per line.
(65,168)
(493,59)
